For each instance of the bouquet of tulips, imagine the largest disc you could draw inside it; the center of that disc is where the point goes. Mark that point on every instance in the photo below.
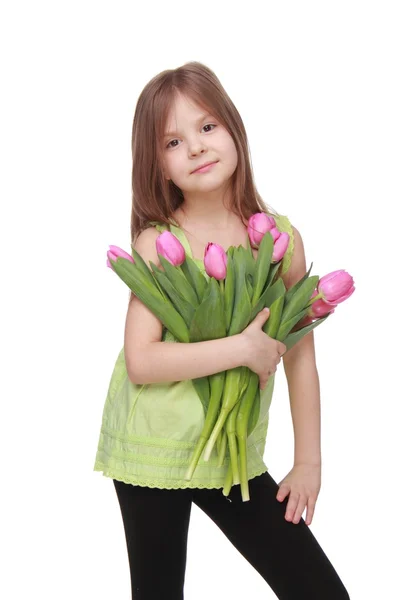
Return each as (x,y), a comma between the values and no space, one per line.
(197,308)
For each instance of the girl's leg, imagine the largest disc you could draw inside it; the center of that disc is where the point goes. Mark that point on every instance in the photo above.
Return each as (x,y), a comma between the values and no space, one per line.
(156,523)
(286,555)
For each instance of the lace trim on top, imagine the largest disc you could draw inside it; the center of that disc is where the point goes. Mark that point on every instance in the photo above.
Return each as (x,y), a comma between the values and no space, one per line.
(209,485)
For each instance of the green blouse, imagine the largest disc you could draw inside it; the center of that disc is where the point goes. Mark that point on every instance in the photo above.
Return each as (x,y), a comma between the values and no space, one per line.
(148,432)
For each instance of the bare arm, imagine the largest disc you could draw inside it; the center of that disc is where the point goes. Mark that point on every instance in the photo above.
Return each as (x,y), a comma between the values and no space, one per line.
(165,361)
(150,360)
(302,377)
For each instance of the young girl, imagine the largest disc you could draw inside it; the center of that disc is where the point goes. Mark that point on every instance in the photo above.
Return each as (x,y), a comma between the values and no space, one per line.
(153,416)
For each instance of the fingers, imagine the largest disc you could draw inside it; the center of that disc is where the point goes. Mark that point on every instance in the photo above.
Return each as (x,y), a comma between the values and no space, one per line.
(294,506)
(310,509)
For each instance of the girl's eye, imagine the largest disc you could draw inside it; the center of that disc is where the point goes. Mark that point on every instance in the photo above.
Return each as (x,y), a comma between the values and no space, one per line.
(174,146)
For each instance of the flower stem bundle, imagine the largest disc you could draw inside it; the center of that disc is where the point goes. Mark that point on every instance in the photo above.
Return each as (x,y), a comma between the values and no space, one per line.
(222,302)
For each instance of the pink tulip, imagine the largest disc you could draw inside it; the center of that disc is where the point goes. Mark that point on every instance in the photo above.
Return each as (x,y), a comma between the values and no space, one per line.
(336,287)
(170,248)
(257,227)
(115,252)
(280,246)
(275,233)
(320,307)
(215,260)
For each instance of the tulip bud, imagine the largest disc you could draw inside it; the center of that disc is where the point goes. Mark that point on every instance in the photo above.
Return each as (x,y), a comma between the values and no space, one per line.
(320,307)
(336,287)
(215,261)
(280,247)
(168,245)
(115,252)
(257,227)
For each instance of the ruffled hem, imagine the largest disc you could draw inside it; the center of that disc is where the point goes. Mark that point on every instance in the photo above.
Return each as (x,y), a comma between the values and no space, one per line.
(113,474)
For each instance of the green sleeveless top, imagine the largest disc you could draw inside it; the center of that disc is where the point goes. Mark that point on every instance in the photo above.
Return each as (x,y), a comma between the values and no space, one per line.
(148,432)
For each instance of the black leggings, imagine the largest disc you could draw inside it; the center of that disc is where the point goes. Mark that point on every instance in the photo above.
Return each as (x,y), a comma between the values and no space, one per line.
(287,555)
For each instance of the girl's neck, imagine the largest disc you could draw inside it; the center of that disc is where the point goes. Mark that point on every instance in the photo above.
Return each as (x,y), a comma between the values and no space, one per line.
(222,219)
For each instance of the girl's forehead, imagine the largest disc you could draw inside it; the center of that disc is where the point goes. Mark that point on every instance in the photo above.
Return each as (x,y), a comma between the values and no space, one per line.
(184,105)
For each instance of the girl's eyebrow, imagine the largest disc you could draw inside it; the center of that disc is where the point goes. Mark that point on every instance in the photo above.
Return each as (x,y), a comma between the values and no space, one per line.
(197,121)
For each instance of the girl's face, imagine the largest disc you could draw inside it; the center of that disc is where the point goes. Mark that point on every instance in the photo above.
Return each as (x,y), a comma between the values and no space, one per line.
(193,138)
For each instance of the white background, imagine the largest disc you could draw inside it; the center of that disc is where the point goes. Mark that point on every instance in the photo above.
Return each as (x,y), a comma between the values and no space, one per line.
(317,86)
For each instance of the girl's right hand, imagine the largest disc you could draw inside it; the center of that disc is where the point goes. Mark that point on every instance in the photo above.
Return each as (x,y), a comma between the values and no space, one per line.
(263,353)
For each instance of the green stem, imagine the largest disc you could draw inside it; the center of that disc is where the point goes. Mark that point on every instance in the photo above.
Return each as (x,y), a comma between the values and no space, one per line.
(312,300)
(233,452)
(228,481)
(222,448)
(243,474)
(229,400)
(202,441)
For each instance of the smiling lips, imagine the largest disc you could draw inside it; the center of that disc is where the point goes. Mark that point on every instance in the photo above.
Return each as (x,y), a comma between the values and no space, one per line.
(205,167)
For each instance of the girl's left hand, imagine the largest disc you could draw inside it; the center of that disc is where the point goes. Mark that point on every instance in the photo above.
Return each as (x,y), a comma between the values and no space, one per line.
(303,483)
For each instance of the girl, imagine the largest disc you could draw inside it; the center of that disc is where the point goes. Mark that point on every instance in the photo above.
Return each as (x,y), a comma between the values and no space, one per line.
(152,416)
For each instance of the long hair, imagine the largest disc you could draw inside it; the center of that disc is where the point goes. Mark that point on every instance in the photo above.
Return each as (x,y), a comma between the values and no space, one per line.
(154,197)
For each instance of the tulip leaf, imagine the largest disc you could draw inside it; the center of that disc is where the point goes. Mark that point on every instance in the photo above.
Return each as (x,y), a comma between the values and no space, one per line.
(185,309)
(249,247)
(271,326)
(286,326)
(156,272)
(229,291)
(250,260)
(179,281)
(295,337)
(134,278)
(292,290)
(272,272)
(249,286)
(195,277)
(263,265)
(202,387)
(160,306)
(276,290)
(268,296)
(300,298)
(242,303)
(208,321)
(142,266)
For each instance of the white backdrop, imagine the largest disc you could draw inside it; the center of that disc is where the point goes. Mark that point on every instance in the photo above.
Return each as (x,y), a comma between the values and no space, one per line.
(317,85)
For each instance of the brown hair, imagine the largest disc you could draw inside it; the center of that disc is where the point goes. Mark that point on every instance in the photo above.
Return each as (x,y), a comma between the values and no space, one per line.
(154,197)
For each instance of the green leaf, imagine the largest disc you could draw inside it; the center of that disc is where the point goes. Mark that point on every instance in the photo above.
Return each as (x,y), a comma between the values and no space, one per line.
(179,281)
(300,298)
(295,337)
(271,326)
(185,309)
(208,321)
(202,387)
(287,326)
(268,296)
(229,292)
(292,290)
(276,290)
(250,260)
(142,266)
(242,303)
(272,272)
(249,285)
(161,307)
(263,265)
(195,277)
